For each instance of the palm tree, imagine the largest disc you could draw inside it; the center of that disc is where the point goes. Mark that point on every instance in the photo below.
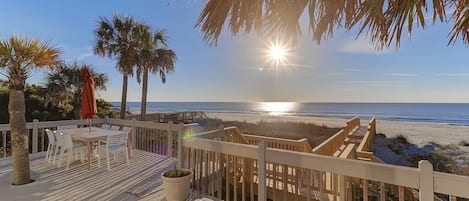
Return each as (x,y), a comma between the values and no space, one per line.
(384,21)
(116,40)
(65,85)
(153,57)
(18,57)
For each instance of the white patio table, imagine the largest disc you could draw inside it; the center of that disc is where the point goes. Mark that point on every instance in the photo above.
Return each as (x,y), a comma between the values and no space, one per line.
(89,137)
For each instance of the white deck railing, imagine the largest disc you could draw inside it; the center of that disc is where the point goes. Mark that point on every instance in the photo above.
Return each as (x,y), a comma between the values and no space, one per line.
(255,171)
(160,138)
(248,172)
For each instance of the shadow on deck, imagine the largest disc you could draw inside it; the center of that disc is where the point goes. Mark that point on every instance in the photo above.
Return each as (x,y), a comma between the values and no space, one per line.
(138,181)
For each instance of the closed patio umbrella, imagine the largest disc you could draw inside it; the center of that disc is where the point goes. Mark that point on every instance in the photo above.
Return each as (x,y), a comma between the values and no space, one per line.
(88,104)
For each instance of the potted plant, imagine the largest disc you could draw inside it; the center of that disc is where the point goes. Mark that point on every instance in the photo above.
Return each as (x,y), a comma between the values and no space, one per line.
(176,183)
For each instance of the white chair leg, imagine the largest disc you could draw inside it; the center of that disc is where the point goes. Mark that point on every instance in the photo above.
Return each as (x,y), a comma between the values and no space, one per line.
(108,162)
(55,153)
(82,156)
(60,157)
(127,156)
(99,157)
(68,160)
(47,152)
(51,152)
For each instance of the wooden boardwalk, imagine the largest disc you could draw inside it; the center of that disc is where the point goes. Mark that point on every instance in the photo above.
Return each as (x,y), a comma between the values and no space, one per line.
(138,181)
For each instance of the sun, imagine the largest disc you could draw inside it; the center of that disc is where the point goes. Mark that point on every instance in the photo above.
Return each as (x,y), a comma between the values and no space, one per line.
(277,53)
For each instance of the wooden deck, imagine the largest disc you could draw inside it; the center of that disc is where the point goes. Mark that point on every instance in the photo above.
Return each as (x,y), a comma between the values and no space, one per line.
(138,181)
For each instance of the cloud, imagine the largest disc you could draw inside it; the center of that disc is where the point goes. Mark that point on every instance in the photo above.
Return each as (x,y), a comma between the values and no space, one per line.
(352,70)
(403,74)
(373,83)
(361,46)
(453,74)
(84,56)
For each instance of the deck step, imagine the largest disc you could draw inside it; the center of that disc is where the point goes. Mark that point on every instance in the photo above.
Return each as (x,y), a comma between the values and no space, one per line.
(361,131)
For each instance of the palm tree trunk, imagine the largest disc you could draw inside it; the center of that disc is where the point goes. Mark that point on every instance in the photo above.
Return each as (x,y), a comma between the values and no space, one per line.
(124,96)
(77,105)
(143,108)
(19,137)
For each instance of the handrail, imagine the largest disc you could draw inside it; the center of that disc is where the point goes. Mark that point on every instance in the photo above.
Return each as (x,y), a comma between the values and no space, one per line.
(213,134)
(288,144)
(332,144)
(367,141)
(235,135)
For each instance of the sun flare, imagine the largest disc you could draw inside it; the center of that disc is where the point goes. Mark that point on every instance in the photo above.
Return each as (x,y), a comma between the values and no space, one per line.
(277,108)
(277,53)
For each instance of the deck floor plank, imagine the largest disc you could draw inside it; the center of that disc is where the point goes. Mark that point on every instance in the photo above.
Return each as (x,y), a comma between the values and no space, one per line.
(137,181)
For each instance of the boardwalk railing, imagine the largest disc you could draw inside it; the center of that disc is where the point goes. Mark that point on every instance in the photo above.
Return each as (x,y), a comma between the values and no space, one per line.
(364,149)
(251,172)
(160,138)
(333,143)
(166,117)
(301,145)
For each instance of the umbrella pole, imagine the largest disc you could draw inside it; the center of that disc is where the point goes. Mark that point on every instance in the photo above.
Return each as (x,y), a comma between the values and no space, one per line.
(90,125)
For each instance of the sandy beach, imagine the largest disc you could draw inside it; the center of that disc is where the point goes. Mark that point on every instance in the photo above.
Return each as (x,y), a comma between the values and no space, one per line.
(417,133)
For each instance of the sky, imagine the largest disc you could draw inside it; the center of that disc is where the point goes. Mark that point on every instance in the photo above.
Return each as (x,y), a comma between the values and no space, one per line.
(341,69)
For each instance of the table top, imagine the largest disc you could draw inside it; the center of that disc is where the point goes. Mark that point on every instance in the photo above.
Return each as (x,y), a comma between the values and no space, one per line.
(84,134)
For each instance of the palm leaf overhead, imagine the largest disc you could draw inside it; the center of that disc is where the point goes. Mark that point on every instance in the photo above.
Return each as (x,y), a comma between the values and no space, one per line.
(383,21)
(461,24)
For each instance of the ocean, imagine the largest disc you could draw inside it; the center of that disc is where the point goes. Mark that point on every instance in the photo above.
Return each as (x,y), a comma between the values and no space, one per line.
(438,113)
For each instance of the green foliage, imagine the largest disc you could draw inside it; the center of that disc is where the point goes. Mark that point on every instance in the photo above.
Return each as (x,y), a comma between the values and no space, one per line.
(65,85)
(105,109)
(402,139)
(175,172)
(37,108)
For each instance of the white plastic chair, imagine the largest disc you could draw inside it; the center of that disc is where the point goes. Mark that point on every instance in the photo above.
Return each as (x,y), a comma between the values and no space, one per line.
(51,146)
(115,144)
(127,130)
(66,127)
(115,127)
(58,144)
(68,146)
(106,126)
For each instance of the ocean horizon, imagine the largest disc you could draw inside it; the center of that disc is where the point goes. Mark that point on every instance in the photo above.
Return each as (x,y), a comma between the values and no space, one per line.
(435,113)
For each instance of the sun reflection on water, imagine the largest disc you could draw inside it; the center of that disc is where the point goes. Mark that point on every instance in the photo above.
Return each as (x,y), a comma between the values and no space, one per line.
(277,108)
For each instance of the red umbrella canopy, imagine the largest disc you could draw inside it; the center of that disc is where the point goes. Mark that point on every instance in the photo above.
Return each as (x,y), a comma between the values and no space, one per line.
(88,104)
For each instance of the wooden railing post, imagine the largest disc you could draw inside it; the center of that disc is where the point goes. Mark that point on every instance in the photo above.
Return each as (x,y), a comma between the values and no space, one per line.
(179,156)
(35,135)
(426,180)
(261,190)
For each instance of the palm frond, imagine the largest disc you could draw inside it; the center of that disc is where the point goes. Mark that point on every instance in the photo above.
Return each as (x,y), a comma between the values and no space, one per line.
(384,21)
(20,55)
